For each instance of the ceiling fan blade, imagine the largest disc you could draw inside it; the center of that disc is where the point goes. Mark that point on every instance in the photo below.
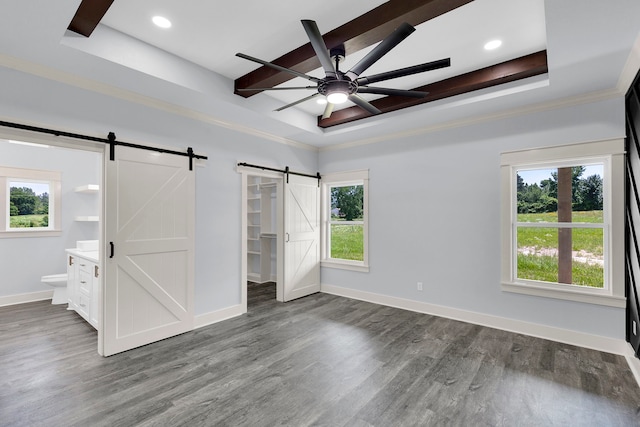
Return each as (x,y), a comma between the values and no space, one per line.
(362,103)
(277,67)
(276,88)
(392,92)
(415,69)
(297,102)
(327,111)
(391,41)
(319,47)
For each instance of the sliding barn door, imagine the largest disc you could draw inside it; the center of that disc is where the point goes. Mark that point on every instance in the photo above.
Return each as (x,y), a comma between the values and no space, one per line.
(302,237)
(149,280)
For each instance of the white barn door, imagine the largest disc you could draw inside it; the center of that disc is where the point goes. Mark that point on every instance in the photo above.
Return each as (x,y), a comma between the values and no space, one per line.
(149,280)
(302,237)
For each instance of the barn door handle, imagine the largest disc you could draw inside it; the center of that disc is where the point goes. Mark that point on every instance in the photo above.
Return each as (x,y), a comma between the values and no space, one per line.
(112,249)
(287,237)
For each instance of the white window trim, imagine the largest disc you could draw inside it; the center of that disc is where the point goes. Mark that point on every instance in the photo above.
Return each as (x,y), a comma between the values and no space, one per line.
(612,152)
(55,186)
(344,179)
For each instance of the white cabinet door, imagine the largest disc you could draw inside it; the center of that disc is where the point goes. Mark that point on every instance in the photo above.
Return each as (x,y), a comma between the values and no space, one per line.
(302,237)
(148,279)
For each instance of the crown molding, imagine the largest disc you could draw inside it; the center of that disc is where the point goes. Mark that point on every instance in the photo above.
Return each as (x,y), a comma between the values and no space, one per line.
(136,98)
(627,75)
(626,78)
(479,119)
(631,67)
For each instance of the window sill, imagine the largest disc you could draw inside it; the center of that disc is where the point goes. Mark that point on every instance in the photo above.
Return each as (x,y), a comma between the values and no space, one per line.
(567,293)
(344,265)
(34,233)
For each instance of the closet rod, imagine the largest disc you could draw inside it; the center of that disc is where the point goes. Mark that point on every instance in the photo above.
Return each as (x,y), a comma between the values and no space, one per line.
(111,140)
(285,171)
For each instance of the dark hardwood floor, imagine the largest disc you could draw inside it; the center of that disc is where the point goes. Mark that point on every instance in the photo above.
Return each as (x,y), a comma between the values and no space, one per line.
(321,360)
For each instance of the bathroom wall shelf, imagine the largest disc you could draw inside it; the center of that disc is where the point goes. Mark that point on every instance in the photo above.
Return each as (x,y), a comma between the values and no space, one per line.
(89,188)
(87,218)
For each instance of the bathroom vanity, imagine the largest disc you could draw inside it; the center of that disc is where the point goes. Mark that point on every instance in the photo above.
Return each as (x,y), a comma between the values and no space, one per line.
(83,283)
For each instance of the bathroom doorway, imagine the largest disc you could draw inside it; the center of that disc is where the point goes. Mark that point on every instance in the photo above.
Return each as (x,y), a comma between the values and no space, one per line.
(52,187)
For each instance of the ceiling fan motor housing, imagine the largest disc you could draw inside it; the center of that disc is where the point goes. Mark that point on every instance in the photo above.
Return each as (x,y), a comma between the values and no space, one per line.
(327,86)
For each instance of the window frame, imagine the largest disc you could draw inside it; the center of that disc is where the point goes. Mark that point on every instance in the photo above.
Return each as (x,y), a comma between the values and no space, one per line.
(53,178)
(611,154)
(344,179)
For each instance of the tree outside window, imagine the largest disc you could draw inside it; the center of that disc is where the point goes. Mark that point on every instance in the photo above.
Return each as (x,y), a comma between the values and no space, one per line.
(345,220)
(28,204)
(560,225)
(562,222)
(347,225)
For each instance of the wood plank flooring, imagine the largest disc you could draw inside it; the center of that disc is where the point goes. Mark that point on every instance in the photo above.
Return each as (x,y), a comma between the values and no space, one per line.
(321,360)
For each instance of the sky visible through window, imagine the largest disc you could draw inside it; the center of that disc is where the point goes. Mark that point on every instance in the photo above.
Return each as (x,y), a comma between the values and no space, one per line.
(534,176)
(37,187)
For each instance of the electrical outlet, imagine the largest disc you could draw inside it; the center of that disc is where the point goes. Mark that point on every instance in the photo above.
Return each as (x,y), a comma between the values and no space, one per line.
(419,286)
(635,328)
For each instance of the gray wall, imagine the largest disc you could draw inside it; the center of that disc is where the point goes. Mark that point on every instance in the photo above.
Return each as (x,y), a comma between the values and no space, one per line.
(423,189)
(30,99)
(434,204)
(24,260)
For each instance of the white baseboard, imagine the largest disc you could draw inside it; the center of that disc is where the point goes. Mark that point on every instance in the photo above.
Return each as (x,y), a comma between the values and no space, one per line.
(217,316)
(595,342)
(24,298)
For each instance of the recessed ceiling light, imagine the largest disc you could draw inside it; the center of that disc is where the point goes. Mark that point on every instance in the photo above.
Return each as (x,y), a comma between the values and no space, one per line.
(493,44)
(161,21)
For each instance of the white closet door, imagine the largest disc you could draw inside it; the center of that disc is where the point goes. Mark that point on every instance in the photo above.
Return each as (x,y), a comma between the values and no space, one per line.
(149,280)
(302,237)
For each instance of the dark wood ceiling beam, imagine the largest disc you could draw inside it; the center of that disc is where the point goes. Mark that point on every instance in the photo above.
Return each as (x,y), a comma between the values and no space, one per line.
(88,16)
(516,69)
(357,34)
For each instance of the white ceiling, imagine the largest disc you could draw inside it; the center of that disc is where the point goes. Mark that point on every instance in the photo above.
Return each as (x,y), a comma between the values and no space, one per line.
(588,44)
(210,35)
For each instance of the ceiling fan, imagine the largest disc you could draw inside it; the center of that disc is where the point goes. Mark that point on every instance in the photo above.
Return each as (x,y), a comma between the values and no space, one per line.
(338,86)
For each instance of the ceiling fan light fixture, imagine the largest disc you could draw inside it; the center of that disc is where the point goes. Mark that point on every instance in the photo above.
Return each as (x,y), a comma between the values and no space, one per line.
(321,100)
(161,21)
(337,97)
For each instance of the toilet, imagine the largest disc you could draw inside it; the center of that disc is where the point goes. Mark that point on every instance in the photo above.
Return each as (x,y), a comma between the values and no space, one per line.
(59,283)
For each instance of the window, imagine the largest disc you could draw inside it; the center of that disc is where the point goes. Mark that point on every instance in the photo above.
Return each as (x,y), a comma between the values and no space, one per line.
(30,202)
(345,220)
(562,223)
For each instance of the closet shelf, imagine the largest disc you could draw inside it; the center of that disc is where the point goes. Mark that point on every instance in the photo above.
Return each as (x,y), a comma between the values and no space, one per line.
(261,222)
